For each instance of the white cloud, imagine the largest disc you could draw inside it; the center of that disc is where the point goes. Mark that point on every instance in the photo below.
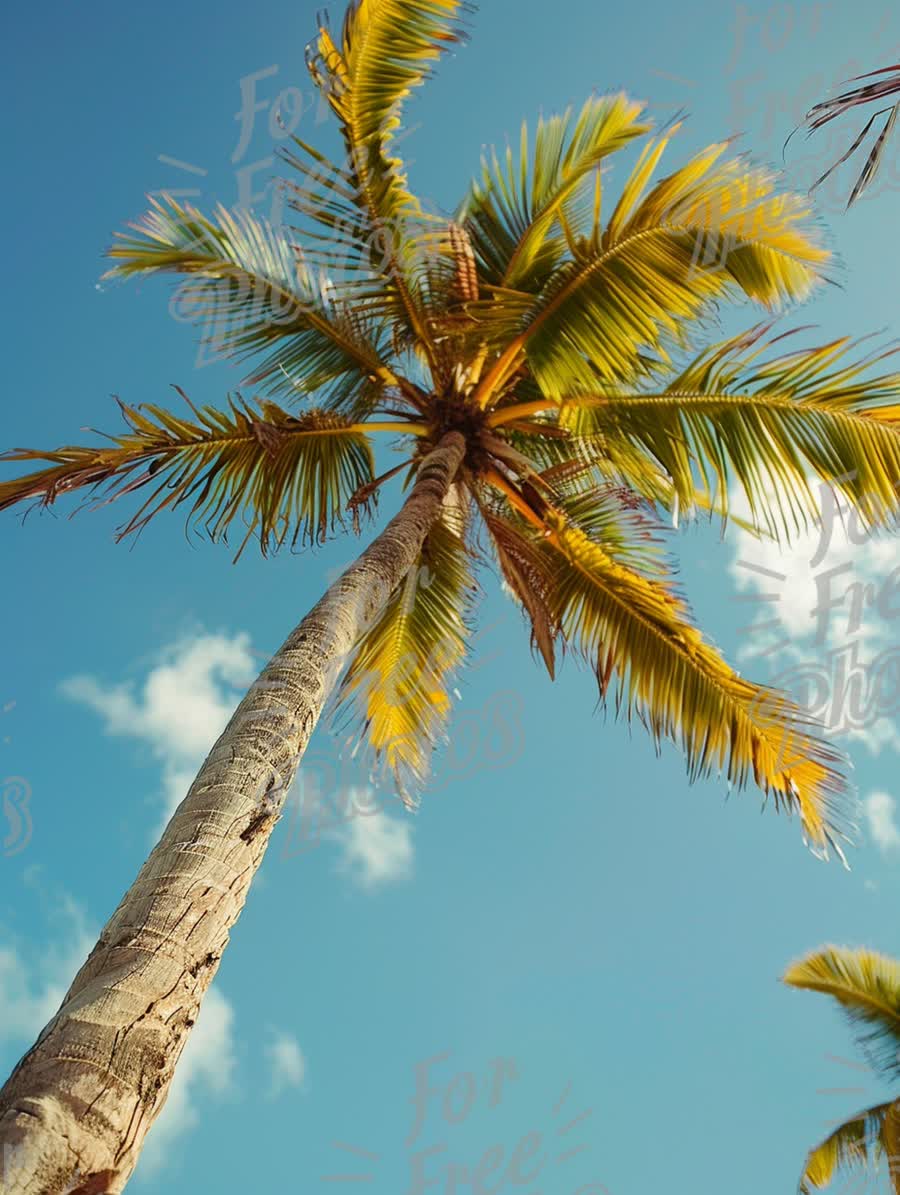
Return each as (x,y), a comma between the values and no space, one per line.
(824,608)
(286,1063)
(799,583)
(206,1067)
(180,708)
(31,990)
(376,849)
(881,814)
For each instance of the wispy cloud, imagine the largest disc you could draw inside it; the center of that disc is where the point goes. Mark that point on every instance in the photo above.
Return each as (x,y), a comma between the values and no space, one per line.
(33,984)
(206,1068)
(810,594)
(287,1066)
(817,611)
(179,709)
(881,815)
(375,849)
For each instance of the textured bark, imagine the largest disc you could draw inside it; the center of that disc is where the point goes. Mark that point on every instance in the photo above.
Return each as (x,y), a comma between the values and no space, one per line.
(76,1109)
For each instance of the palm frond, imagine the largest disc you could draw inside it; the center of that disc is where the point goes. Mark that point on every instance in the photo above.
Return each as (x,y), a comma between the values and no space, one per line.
(573,456)
(622,522)
(519,212)
(867,987)
(285,478)
(871,92)
(252,290)
(858,1143)
(387,47)
(525,571)
(611,515)
(398,679)
(711,230)
(769,426)
(634,629)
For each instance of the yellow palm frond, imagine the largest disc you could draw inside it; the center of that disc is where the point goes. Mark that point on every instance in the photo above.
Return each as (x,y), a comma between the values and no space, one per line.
(859,1143)
(386,48)
(398,679)
(867,987)
(520,211)
(711,230)
(249,285)
(284,478)
(634,630)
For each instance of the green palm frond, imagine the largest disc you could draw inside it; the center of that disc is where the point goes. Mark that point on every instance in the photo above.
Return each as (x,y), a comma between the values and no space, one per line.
(582,465)
(769,426)
(387,47)
(608,514)
(520,212)
(574,455)
(335,232)
(711,230)
(859,1143)
(867,987)
(251,288)
(378,263)
(398,679)
(285,478)
(634,630)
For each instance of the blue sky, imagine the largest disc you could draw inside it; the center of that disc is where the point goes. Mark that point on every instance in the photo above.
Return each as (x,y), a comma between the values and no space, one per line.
(568,940)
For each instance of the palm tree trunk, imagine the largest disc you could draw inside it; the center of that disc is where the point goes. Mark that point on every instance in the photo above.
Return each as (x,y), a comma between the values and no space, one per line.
(76,1109)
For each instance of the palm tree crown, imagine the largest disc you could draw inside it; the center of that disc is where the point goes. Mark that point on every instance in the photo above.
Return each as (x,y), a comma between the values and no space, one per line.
(556,330)
(866,985)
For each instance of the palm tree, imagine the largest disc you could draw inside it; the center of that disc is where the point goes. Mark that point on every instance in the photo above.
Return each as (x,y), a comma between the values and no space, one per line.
(867,987)
(536,361)
(871,91)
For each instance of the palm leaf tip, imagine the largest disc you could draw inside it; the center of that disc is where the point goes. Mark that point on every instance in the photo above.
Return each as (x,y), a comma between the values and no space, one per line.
(529,582)
(398,678)
(866,985)
(804,772)
(858,1143)
(386,48)
(869,93)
